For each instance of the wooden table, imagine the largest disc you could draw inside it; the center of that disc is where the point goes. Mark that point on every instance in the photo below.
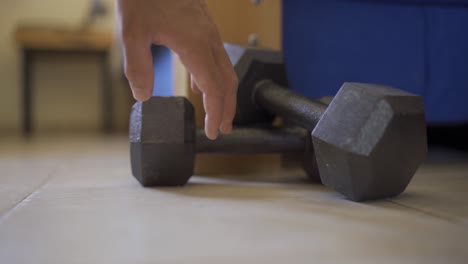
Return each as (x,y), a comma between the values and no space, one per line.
(37,40)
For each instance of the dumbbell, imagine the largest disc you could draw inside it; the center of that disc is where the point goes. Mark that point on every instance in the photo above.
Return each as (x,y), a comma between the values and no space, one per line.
(369,141)
(164,142)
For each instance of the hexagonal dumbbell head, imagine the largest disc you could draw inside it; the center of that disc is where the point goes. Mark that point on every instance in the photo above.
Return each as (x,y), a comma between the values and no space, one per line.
(370,141)
(162,141)
(253,65)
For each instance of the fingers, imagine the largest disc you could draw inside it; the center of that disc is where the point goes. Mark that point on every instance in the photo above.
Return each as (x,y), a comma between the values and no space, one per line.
(211,73)
(139,68)
(206,78)
(229,77)
(230,86)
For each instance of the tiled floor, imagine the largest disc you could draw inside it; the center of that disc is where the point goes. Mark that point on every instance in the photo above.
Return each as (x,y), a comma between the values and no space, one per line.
(73,200)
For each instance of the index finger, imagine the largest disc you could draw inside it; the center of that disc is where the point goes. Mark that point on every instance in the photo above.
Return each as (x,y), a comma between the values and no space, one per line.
(139,67)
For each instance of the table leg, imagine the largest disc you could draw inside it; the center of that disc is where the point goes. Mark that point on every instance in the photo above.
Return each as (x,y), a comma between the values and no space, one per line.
(27,57)
(107,98)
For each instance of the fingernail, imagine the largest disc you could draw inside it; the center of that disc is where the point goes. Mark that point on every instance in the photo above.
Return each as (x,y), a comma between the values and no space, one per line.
(211,136)
(140,94)
(226,127)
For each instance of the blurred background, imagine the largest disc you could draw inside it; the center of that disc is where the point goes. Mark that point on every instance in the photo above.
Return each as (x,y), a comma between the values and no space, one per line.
(63,45)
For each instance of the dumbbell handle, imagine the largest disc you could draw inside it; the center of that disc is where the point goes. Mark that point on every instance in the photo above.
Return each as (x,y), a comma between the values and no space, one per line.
(255,141)
(284,102)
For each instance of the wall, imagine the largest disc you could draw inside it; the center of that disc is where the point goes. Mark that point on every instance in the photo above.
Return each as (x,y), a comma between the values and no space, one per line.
(67,90)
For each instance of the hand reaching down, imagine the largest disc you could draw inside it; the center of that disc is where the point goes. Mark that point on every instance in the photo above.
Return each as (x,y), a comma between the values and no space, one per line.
(186,27)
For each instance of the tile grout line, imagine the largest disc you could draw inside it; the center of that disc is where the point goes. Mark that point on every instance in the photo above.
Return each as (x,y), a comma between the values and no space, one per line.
(429,213)
(10,210)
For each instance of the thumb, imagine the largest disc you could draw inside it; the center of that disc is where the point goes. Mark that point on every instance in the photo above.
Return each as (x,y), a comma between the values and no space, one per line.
(139,68)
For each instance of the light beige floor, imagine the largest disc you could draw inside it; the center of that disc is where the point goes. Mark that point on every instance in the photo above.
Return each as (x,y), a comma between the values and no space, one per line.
(73,200)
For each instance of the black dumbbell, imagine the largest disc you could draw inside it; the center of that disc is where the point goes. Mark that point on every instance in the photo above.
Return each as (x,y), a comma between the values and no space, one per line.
(368,142)
(164,141)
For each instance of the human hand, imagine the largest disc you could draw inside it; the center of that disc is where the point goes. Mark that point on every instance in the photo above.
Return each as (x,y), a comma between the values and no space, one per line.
(186,27)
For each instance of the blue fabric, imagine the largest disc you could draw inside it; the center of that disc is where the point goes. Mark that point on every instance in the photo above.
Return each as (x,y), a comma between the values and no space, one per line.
(421,48)
(162,63)
(409,2)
